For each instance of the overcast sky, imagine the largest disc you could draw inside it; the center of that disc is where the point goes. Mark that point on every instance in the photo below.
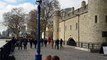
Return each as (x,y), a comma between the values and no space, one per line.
(7,5)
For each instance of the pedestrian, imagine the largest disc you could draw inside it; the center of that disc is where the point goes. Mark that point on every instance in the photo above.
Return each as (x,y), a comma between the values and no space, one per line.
(13,44)
(30,41)
(61,42)
(45,42)
(35,43)
(49,40)
(25,43)
(18,43)
(57,44)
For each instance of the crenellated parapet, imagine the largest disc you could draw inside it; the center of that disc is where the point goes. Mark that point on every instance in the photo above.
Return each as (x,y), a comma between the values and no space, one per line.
(65,15)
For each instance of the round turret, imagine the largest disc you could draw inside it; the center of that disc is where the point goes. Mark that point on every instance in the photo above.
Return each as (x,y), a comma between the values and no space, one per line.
(56,25)
(97,15)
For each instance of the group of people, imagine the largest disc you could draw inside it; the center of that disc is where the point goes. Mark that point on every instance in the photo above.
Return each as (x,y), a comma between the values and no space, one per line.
(54,43)
(58,44)
(23,42)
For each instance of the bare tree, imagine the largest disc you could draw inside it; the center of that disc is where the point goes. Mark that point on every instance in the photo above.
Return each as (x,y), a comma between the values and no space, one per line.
(48,7)
(14,20)
(32,23)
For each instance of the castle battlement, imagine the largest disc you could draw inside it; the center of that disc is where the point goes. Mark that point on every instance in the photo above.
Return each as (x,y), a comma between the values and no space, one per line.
(65,15)
(71,14)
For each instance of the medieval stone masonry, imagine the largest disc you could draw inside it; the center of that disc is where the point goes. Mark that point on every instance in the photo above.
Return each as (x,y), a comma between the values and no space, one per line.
(87,24)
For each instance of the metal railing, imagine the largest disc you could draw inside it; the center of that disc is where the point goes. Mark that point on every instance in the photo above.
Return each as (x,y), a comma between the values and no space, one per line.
(90,45)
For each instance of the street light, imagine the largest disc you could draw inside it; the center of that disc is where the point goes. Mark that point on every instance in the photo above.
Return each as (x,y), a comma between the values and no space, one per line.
(38,56)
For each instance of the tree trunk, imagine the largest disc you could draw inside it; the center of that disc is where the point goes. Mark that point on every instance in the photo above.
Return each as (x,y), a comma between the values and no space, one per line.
(44,32)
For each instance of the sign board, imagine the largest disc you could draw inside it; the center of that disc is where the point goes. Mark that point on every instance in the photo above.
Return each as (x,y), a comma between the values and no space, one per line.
(105,50)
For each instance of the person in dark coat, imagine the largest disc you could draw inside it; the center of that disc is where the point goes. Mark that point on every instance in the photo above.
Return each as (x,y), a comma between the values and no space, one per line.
(34,42)
(57,44)
(30,41)
(13,44)
(19,44)
(25,43)
(45,42)
(61,42)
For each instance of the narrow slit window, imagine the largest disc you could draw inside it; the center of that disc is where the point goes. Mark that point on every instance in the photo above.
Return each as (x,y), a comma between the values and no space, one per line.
(96,19)
(70,27)
(76,26)
(106,18)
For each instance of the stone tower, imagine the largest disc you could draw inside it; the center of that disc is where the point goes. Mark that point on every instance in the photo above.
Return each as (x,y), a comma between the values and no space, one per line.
(56,25)
(97,17)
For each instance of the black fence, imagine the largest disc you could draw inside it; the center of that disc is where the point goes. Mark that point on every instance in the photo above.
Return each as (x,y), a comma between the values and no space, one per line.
(6,50)
(89,45)
(93,47)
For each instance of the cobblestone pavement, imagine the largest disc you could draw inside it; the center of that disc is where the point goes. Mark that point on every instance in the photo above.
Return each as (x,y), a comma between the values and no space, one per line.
(65,53)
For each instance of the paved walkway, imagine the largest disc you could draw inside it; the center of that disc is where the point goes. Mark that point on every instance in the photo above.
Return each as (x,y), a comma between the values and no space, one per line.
(65,53)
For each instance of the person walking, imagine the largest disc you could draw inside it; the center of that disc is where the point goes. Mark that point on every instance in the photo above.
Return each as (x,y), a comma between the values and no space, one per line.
(57,44)
(25,43)
(13,44)
(61,43)
(30,41)
(45,42)
(35,42)
(49,40)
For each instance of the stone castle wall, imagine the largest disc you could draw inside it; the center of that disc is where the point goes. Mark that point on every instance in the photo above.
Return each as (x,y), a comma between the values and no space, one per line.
(97,8)
(81,25)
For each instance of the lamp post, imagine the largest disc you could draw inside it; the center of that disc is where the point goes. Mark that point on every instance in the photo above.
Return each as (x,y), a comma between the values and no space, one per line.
(38,56)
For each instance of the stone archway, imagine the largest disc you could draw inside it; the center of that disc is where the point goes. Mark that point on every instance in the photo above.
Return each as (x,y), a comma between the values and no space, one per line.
(71,42)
